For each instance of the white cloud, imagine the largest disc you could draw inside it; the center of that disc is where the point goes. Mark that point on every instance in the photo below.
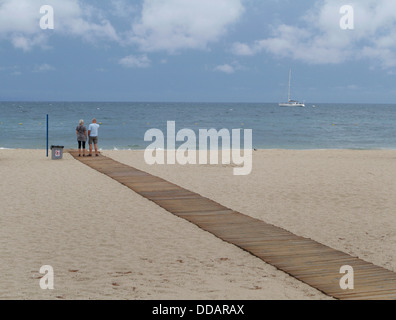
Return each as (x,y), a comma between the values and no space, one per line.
(26,42)
(123,8)
(135,61)
(174,25)
(226,68)
(43,68)
(155,25)
(77,21)
(322,41)
(242,49)
(229,68)
(20,22)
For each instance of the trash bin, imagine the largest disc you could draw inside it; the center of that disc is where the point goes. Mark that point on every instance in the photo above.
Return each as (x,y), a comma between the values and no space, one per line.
(57,152)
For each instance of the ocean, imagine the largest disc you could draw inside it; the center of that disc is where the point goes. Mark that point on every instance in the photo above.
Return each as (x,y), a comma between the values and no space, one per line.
(124,124)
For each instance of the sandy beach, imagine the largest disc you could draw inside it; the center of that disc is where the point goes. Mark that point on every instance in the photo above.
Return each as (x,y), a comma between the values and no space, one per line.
(106,242)
(344,199)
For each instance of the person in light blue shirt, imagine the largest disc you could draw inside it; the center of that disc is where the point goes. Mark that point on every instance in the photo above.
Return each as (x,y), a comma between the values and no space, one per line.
(93,132)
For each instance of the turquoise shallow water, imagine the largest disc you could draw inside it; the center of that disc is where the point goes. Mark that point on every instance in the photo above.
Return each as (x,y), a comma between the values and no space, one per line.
(123,125)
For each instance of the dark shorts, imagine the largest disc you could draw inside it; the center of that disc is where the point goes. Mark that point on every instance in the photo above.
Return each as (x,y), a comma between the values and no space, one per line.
(93,140)
(81,143)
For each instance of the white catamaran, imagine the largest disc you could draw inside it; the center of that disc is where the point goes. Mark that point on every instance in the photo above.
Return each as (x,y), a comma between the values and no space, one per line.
(291,103)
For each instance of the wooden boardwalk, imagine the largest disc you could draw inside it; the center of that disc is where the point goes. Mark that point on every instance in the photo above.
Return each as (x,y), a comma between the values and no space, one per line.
(309,261)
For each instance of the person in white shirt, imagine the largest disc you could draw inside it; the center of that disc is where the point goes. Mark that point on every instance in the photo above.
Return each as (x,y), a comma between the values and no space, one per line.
(93,131)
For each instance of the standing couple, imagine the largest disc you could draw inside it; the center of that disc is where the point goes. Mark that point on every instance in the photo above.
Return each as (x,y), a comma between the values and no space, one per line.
(81,132)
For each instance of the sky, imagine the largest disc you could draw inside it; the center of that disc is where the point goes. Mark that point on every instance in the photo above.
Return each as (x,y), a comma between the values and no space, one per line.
(198,50)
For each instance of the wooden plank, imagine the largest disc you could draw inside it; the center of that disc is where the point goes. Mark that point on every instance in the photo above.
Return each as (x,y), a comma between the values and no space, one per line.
(307,260)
